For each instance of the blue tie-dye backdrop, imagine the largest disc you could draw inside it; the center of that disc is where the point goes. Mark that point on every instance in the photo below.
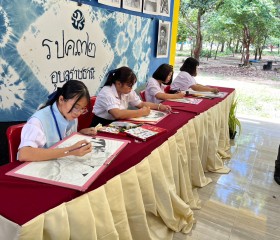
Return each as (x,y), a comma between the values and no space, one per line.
(35,57)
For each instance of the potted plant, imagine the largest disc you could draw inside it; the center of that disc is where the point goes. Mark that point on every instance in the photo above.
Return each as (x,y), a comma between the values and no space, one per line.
(233,121)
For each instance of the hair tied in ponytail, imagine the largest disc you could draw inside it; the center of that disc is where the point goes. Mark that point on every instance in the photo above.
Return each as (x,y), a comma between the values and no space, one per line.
(53,95)
(111,72)
(59,91)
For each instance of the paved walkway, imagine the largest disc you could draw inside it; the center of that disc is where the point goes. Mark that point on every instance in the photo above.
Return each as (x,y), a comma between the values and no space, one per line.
(244,204)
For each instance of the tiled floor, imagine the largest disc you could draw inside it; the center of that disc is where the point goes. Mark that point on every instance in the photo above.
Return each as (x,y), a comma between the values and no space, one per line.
(244,204)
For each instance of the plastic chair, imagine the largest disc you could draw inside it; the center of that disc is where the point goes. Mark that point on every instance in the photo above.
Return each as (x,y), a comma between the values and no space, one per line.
(84,120)
(13,134)
(142,94)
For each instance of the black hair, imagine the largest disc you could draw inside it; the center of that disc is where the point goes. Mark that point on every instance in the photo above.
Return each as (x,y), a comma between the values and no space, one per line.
(162,73)
(70,90)
(189,66)
(122,74)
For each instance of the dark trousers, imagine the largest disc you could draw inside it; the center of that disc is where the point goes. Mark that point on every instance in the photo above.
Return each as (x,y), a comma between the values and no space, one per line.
(277,168)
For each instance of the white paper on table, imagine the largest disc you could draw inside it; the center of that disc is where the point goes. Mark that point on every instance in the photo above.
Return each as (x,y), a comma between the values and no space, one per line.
(73,171)
(186,100)
(208,94)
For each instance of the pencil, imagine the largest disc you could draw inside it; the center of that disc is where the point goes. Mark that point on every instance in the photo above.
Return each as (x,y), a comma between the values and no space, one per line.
(82,145)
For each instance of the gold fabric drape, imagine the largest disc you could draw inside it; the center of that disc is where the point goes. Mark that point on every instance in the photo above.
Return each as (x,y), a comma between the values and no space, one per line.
(152,200)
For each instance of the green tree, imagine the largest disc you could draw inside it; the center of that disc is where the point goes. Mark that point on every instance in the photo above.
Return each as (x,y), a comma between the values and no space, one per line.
(201,7)
(187,23)
(218,29)
(254,18)
(186,29)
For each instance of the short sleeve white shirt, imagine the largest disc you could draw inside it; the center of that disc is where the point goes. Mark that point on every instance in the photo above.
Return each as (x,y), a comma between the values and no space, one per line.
(108,99)
(153,87)
(32,134)
(183,82)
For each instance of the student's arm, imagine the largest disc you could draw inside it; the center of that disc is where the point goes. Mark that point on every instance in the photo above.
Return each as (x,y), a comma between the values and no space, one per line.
(153,90)
(202,88)
(144,110)
(165,96)
(89,131)
(33,139)
(42,154)
(134,100)
(125,113)
(155,106)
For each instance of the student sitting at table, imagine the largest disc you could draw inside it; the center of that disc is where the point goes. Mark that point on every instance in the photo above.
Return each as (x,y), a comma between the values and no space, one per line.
(56,120)
(185,78)
(154,91)
(116,95)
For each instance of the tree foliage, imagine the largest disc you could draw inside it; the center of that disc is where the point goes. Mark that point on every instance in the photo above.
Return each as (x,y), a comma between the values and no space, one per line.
(251,22)
(200,7)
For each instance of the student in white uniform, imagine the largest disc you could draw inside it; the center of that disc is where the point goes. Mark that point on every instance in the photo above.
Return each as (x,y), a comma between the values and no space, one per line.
(113,100)
(185,79)
(154,91)
(55,121)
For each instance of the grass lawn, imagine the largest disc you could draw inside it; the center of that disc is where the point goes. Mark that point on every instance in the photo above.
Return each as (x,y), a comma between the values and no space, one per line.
(258,96)
(254,100)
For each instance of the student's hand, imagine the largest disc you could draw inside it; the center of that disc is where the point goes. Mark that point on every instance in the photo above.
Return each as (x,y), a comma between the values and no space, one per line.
(145,111)
(80,148)
(215,90)
(89,131)
(180,94)
(165,108)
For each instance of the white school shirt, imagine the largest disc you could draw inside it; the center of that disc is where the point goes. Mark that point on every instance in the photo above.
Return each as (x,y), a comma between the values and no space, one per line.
(153,87)
(108,99)
(183,82)
(33,132)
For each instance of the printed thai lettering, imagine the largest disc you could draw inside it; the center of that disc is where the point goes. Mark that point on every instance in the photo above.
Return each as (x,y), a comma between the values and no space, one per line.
(76,74)
(69,47)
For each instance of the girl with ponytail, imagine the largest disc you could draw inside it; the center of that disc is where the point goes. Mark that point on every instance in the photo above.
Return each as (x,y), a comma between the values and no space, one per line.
(56,120)
(117,95)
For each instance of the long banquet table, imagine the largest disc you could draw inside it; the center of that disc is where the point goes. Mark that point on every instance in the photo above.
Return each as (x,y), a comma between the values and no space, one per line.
(147,192)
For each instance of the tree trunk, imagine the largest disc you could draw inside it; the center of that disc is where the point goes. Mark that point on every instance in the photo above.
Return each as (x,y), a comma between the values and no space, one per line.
(210,50)
(256,53)
(247,56)
(211,46)
(232,48)
(217,51)
(236,46)
(181,46)
(222,47)
(242,54)
(241,49)
(198,45)
(246,44)
(260,53)
(261,48)
(192,47)
(229,44)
